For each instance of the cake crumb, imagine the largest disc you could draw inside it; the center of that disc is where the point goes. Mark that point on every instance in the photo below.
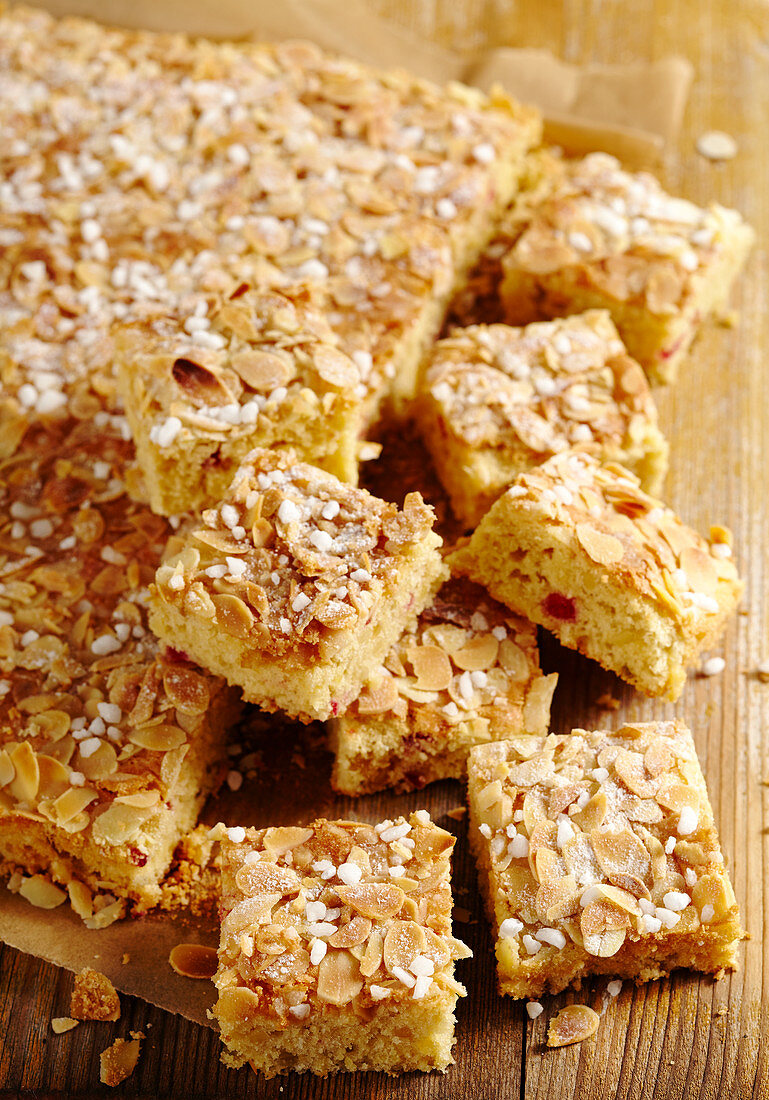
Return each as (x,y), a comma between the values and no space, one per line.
(716,145)
(458,812)
(125,959)
(118,1061)
(94,997)
(573,1024)
(607,701)
(60,1024)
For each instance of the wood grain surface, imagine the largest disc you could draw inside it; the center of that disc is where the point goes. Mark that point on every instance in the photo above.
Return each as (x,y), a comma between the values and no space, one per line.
(686,1038)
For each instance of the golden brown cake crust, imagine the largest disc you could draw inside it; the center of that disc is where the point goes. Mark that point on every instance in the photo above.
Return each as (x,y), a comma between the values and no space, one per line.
(598,854)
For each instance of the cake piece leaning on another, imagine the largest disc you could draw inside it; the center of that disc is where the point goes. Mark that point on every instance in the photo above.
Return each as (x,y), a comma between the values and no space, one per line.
(597,854)
(270,372)
(498,400)
(467,673)
(297,584)
(336,949)
(604,238)
(580,549)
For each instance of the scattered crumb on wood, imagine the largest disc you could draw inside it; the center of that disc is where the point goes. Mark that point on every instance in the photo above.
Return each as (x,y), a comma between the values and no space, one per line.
(60,1024)
(607,701)
(94,997)
(119,1061)
(457,813)
(126,958)
(573,1024)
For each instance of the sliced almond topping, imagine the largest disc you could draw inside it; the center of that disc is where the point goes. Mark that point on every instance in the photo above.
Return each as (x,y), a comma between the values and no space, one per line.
(262,371)
(100,764)
(377,900)
(659,757)
(220,541)
(233,615)
(593,813)
(119,1061)
(267,878)
(548,866)
(514,661)
(447,637)
(631,770)
(601,548)
(54,777)
(478,655)
(278,841)
(379,699)
(72,802)
(573,1024)
(200,384)
(404,940)
(118,824)
(41,892)
(24,786)
(534,810)
(7,770)
(710,890)
(621,853)
(678,796)
(261,532)
(339,978)
(372,957)
(557,898)
(700,569)
(356,931)
(158,738)
(193,960)
(239,1004)
(53,724)
(432,667)
(603,944)
(143,800)
(335,367)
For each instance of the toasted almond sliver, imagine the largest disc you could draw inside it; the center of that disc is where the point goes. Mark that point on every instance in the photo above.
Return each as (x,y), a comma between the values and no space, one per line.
(431,666)
(573,1024)
(144,800)
(158,738)
(478,655)
(60,1024)
(355,932)
(233,615)
(193,960)
(25,784)
(41,892)
(278,841)
(339,978)
(379,699)
(262,371)
(403,941)
(601,548)
(377,900)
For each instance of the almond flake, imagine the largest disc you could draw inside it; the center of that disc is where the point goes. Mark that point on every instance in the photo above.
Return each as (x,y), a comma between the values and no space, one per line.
(193,960)
(601,548)
(573,1024)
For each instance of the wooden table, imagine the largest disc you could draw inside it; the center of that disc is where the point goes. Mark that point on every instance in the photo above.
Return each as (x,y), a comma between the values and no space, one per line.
(687,1037)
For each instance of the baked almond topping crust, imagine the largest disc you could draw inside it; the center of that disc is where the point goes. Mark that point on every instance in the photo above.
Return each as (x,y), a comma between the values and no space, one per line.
(348,914)
(597,838)
(292,556)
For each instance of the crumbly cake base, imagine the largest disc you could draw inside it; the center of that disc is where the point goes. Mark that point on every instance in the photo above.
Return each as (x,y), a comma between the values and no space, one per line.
(525,566)
(299,684)
(406,1038)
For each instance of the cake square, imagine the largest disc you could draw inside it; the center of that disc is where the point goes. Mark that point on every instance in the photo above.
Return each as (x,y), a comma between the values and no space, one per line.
(336,950)
(497,400)
(109,742)
(597,854)
(268,165)
(468,672)
(609,239)
(580,549)
(268,372)
(296,586)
